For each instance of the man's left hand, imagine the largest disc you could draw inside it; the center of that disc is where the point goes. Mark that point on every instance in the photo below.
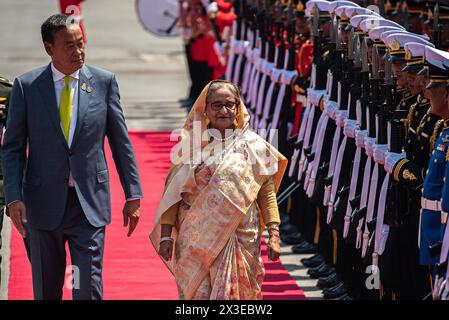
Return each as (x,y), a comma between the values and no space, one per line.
(131,214)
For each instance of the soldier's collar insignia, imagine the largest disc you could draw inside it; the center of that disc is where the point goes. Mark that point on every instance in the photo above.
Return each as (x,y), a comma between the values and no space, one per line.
(395,45)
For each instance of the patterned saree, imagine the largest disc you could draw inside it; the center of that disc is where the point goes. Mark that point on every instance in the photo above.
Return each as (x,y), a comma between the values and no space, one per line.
(218,228)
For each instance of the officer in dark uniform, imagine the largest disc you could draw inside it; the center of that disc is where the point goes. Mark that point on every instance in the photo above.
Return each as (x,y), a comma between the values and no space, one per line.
(431,228)
(5,90)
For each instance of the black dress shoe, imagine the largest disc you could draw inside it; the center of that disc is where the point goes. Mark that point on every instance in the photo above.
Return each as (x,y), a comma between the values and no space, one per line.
(323,271)
(294,238)
(335,293)
(315,257)
(316,268)
(304,248)
(336,287)
(312,262)
(328,282)
(288,229)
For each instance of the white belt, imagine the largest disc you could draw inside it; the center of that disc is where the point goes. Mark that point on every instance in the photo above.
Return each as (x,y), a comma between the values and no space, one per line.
(332,160)
(434,205)
(336,179)
(381,233)
(352,191)
(370,208)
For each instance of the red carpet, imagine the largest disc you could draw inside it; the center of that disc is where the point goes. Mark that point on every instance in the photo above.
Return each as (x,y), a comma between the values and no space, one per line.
(132,269)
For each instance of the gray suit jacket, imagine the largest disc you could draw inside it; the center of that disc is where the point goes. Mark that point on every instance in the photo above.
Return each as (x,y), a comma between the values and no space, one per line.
(34,122)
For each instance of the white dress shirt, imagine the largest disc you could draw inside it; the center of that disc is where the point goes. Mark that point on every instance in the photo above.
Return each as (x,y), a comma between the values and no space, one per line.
(59,82)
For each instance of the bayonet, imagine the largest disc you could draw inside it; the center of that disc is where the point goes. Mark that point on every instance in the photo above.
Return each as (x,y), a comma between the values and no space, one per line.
(364,56)
(339,45)
(375,64)
(351,44)
(388,70)
(334,29)
(357,54)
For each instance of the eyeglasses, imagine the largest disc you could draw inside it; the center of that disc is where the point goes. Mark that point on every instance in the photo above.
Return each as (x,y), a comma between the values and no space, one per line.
(217,106)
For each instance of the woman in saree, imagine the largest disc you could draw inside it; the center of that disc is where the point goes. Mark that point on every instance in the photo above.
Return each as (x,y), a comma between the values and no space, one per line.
(219,195)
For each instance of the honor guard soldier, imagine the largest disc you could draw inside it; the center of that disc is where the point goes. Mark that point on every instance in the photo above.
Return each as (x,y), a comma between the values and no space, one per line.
(431,228)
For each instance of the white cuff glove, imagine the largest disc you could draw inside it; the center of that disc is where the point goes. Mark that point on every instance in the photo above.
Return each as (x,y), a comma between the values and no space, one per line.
(360,138)
(391,159)
(330,107)
(340,117)
(379,153)
(369,143)
(349,128)
(314,96)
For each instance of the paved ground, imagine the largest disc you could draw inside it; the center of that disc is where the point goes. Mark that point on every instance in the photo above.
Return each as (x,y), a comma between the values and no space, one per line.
(151,73)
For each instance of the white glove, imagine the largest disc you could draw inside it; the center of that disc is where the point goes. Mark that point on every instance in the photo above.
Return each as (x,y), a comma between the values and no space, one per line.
(212,8)
(340,116)
(349,128)
(379,153)
(369,143)
(391,159)
(314,96)
(330,107)
(360,138)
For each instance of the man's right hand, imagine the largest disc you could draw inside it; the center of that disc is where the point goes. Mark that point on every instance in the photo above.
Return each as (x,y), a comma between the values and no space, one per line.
(18,215)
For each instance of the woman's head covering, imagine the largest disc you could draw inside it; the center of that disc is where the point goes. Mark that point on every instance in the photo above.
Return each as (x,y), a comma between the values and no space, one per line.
(193,137)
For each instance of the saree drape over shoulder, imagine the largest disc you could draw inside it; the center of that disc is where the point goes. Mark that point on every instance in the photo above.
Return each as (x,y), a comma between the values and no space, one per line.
(218,226)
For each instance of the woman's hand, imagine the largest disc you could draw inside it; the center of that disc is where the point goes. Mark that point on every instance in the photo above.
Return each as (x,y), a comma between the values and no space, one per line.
(273,245)
(166,250)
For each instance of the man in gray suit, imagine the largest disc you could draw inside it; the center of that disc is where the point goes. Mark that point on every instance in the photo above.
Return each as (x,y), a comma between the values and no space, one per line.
(58,191)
